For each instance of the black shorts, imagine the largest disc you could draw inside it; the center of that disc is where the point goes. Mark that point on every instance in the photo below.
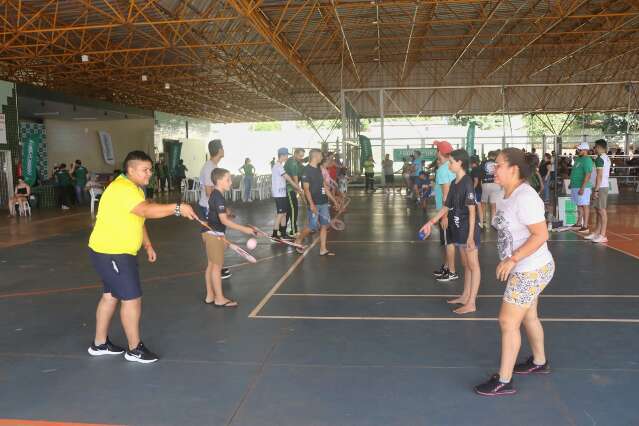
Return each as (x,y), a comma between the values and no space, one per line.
(459,231)
(478,195)
(445,237)
(389,178)
(282,205)
(119,274)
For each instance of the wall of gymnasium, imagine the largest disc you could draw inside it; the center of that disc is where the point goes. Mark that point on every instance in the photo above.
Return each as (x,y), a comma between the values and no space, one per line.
(69,140)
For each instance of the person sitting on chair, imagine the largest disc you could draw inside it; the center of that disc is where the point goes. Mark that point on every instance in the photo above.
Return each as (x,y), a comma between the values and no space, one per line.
(20,197)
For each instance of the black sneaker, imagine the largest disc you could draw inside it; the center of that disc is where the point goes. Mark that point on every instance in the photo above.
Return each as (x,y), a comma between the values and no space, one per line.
(106,348)
(494,387)
(529,367)
(448,276)
(287,238)
(275,234)
(226,273)
(141,354)
(441,271)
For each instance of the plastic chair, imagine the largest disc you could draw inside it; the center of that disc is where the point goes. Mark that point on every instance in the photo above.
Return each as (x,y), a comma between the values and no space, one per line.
(192,194)
(93,192)
(255,189)
(23,209)
(237,190)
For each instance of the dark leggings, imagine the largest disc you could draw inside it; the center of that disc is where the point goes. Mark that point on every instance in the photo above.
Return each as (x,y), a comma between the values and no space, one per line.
(293,211)
(370,180)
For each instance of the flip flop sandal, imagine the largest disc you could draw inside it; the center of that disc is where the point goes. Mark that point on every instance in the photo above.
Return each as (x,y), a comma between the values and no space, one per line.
(327,253)
(227,304)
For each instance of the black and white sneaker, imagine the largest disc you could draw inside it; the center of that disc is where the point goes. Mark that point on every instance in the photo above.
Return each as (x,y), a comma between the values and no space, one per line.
(226,273)
(448,276)
(494,387)
(141,354)
(529,367)
(106,348)
(441,271)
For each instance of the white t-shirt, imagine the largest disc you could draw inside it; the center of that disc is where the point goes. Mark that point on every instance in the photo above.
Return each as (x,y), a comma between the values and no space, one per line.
(514,214)
(278,183)
(605,172)
(205,180)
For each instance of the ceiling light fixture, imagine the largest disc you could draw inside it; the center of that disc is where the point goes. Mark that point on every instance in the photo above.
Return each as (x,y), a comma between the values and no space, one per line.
(144,77)
(85,58)
(167,86)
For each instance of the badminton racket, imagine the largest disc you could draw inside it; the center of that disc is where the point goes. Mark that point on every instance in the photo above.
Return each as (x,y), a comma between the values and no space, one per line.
(261,233)
(237,249)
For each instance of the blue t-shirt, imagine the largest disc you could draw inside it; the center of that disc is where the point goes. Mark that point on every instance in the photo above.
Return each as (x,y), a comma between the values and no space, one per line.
(418,167)
(442,177)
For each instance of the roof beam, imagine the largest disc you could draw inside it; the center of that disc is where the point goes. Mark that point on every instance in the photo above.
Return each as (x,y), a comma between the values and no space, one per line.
(262,25)
(472,40)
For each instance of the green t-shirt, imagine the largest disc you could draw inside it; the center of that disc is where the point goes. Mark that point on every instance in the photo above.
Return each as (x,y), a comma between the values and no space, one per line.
(292,168)
(249,170)
(583,166)
(80,175)
(369,166)
(62,178)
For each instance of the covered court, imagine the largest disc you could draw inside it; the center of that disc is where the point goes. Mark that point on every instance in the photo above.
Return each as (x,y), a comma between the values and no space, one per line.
(361,338)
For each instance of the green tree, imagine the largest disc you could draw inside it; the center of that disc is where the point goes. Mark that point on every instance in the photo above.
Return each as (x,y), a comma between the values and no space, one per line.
(266,126)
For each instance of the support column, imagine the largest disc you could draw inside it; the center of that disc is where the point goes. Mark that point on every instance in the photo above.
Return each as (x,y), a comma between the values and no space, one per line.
(383,141)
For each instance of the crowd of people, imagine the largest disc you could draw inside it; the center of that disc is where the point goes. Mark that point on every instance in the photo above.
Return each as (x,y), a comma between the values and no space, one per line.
(505,189)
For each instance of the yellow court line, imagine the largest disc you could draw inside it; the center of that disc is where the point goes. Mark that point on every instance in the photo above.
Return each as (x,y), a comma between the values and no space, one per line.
(282,279)
(299,317)
(546,296)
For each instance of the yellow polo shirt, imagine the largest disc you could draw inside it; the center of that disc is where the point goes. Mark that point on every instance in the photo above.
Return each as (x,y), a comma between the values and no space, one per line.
(117,230)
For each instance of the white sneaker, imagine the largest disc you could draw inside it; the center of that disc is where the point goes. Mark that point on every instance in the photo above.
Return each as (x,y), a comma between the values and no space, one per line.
(481,225)
(600,239)
(65,207)
(591,236)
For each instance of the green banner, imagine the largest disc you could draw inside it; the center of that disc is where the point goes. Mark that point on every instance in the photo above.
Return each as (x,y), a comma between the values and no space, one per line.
(173,151)
(30,158)
(470,138)
(365,149)
(427,154)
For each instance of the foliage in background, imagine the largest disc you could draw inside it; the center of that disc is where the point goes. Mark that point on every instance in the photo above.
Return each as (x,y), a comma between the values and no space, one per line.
(266,126)
(485,122)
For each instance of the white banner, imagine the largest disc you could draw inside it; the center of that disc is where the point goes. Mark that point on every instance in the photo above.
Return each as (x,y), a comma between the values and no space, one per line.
(3,130)
(107,147)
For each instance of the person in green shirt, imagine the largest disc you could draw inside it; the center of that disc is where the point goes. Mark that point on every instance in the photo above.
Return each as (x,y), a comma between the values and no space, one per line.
(369,173)
(293,167)
(162,171)
(65,188)
(248,171)
(79,173)
(580,186)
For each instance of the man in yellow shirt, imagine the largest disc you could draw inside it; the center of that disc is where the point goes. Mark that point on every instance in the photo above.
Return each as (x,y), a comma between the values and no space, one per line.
(117,236)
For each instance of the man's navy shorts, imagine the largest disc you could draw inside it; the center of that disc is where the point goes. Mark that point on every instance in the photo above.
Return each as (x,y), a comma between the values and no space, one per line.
(119,274)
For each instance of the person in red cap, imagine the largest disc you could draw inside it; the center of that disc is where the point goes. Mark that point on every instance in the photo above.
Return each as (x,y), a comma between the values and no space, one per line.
(443,178)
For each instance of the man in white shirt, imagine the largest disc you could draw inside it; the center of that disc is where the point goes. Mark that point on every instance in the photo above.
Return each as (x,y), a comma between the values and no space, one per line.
(216,153)
(279,177)
(599,200)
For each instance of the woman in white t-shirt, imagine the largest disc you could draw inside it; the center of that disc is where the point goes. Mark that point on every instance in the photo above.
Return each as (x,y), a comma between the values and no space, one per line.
(527,267)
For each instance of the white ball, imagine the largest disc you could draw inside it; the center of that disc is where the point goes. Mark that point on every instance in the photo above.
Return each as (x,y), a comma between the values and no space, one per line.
(251,243)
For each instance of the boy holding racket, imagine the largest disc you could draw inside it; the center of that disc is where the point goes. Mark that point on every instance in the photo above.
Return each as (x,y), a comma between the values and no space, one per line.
(317,194)
(218,220)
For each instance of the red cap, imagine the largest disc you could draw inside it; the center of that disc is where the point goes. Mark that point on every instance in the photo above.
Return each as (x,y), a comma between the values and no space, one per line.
(444,147)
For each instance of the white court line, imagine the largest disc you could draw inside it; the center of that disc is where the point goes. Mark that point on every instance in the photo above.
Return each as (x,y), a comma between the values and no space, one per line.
(281,281)
(298,317)
(620,235)
(430,240)
(547,296)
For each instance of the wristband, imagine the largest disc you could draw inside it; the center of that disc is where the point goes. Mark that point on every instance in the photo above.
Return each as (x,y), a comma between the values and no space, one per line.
(177,209)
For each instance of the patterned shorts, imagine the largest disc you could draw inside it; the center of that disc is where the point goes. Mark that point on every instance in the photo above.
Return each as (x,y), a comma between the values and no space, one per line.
(523,288)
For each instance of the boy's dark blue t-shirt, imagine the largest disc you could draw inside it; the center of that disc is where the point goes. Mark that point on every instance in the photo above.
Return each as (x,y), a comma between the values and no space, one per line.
(217,206)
